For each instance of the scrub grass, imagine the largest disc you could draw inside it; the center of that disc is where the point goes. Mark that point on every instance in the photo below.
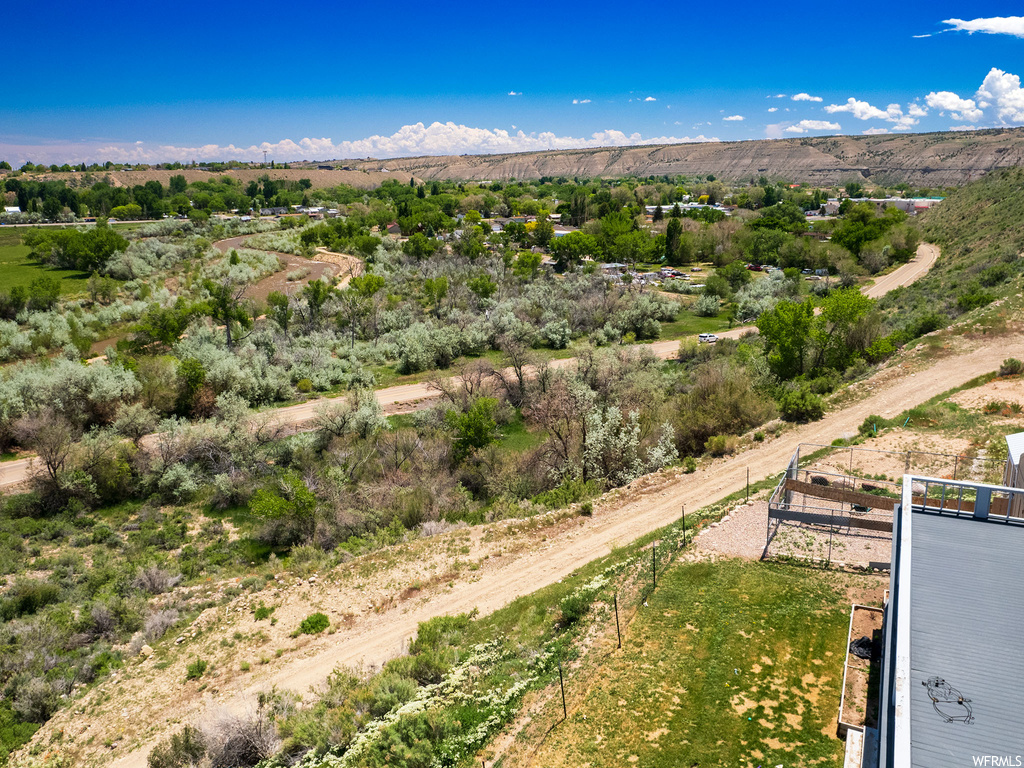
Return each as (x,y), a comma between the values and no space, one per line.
(731,663)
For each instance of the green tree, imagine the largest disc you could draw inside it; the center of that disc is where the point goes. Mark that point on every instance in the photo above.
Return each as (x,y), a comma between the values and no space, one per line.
(226,307)
(839,331)
(289,505)
(570,250)
(436,290)
(786,331)
(475,428)
(191,377)
(43,293)
(163,325)
(280,309)
(316,293)
(420,246)
(544,232)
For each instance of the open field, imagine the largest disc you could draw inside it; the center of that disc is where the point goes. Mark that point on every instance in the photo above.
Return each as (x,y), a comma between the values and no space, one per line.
(731,663)
(17,268)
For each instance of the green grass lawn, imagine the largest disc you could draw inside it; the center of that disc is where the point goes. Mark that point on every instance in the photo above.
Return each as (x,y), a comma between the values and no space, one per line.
(17,267)
(689,324)
(732,663)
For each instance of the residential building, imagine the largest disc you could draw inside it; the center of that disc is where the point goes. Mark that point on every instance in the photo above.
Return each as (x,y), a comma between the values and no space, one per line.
(952,689)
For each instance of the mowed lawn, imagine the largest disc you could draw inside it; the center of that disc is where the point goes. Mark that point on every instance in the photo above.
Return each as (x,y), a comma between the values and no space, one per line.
(17,267)
(731,664)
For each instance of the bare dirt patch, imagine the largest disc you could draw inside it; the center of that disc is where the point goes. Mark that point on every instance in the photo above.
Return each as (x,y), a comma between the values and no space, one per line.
(997,390)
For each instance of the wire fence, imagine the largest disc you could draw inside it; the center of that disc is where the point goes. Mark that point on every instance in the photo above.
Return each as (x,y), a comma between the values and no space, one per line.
(631,583)
(834,504)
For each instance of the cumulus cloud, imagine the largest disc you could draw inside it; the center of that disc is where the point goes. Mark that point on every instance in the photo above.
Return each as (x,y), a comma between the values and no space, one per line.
(581,101)
(813,125)
(997,25)
(916,110)
(963,127)
(875,131)
(859,109)
(1002,91)
(734,118)
(773,109)
(959,109)
(893,113)
(409,141)
(650,98)
(515,93)
(806,97)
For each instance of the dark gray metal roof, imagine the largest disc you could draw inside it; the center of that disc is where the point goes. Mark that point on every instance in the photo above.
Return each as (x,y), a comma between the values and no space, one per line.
(967,629)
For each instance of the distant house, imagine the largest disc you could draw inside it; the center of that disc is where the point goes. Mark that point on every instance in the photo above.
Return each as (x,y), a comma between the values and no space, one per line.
(613,268)
(273,211)
(12,209)
(394,229)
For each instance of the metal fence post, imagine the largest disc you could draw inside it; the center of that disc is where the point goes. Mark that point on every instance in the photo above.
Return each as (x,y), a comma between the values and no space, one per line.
(618,632)
(561,683)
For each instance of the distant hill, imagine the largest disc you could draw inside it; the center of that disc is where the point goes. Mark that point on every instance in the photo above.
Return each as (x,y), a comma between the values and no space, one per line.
(924,159)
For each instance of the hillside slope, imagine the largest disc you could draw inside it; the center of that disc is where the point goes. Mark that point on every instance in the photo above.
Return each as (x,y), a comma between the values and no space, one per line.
(928,159)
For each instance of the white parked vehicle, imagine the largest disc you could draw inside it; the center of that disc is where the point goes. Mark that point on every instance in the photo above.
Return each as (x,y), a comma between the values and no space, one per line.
(707,338)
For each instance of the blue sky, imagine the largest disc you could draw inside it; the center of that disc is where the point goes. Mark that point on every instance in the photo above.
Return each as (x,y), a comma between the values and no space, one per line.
(207,81)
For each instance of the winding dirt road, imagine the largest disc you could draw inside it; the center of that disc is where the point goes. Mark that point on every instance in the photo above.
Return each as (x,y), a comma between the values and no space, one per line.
(396,398)
(621,517)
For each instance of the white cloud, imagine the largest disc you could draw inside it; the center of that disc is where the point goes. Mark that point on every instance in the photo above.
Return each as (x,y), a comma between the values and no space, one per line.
(963,127)
(959,109)
(875,131)
(515,93)
(733,118)
(813,125)
(859,109)
(773,109)
(862,110)
(916,110)
(997,25)
(1002,90)
(650,98)
(409,141)
(581,101)
(780,95)
(806,97)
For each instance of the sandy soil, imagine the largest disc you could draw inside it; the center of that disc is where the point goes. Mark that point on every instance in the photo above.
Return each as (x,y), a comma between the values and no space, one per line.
(314,269)
(998,390)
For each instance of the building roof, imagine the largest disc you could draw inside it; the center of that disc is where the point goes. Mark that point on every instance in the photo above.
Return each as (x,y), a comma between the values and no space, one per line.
(952,688)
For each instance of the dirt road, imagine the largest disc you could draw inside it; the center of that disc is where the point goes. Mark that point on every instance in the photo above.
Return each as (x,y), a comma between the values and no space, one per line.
(394,398)
(620,518)
(916,268)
